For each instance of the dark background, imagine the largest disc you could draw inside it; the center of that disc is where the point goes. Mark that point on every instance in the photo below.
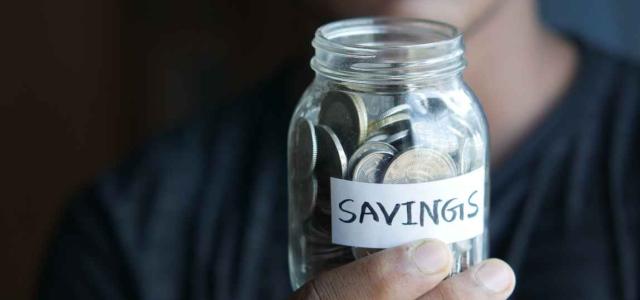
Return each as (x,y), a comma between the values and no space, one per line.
(82,83)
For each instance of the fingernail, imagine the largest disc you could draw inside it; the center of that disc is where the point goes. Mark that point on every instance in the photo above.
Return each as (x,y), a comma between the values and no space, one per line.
(431,256)
(494,275)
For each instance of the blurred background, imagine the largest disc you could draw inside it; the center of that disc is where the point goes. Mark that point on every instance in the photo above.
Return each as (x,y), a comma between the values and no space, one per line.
(85,82)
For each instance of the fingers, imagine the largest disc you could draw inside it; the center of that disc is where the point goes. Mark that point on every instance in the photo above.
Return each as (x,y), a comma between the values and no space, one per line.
(404,272)
(491,279)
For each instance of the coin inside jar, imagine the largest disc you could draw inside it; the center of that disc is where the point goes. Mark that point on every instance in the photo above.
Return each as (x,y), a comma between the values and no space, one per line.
(370,169)
(346,114)
(393,123)
(367,148)
(372,166)
(420,165)
(398,138)
(305,155)
(332,160)
(395,110)
(378,137)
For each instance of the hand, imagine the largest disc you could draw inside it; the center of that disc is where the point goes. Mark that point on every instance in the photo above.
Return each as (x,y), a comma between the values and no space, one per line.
(413,271)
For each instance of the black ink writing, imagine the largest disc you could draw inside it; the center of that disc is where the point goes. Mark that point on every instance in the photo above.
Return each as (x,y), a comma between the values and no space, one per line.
(430,212)
(367,209)
(341,207)
(409,206)
(472,204)
(388,218)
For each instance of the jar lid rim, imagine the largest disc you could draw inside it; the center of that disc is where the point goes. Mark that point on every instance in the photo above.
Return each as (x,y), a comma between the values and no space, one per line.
(326,36)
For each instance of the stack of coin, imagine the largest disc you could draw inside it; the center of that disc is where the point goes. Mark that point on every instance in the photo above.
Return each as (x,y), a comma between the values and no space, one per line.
(403,144)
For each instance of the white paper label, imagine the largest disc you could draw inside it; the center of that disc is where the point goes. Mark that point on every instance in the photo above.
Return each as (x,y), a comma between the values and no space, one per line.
(372,215)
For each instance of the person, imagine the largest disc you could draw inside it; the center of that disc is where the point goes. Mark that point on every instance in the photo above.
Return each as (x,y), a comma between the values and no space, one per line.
(201,213)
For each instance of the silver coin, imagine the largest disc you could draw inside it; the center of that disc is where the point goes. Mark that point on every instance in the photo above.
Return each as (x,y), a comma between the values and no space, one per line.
(305,151)
(395,110)
(462,259)
(365,149)
(477,248)
(305,191)
(420,165)
(332,160)
(393,123)
(346,114)
(398,137)
(372,166)
(462,246)
(377,137)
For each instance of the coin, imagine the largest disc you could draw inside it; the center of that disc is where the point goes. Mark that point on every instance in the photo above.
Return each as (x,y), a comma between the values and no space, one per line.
(346,114)
(372,166)
(370,169)
(397,138)
(365,149)
(393,123)
(420,165)
(305,192)
(395,110)
(305,151)
(377,137)
(332,160)
(462,256)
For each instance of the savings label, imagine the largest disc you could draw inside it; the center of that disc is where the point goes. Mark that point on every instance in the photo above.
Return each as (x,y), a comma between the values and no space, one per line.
(373,215)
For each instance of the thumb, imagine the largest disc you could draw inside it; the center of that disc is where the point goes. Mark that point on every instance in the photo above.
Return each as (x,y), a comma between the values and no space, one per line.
(404,272)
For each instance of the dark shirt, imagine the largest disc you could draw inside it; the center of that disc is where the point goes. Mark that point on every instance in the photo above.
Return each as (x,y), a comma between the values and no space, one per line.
(201,213)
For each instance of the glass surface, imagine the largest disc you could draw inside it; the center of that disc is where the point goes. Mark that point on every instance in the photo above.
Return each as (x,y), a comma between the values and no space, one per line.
(383,87)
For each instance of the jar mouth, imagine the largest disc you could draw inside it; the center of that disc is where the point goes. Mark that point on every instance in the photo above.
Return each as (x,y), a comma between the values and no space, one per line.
(378,33)
(387,49)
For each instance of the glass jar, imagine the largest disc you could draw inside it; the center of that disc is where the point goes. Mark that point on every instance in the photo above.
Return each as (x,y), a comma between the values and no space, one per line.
(388,145)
